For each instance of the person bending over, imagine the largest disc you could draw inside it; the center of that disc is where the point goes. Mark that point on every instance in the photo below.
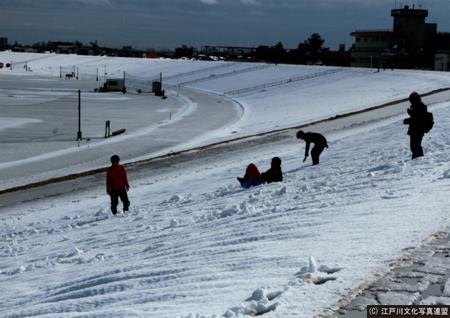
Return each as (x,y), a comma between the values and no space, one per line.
(319,141)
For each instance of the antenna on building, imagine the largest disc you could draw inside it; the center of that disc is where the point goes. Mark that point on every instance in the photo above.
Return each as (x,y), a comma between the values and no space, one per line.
(420,4)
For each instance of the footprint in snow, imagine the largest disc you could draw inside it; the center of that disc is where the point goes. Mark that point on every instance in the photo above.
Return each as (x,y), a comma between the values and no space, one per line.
(311,274)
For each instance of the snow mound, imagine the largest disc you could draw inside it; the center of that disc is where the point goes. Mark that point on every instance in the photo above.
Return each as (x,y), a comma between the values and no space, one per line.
(311,274)
(258,304)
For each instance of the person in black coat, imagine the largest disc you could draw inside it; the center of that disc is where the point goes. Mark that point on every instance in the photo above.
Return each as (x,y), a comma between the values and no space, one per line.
(319,141)
(274,174)
(417,116)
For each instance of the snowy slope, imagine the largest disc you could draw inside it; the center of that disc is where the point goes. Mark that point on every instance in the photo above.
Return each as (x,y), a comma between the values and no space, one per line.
(195,244)
(206,252)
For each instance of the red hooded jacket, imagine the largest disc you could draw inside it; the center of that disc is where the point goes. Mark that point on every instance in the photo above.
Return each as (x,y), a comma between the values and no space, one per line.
(116,178)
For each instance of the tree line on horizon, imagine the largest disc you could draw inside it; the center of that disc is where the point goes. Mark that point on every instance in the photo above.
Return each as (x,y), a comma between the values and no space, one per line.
(310,51)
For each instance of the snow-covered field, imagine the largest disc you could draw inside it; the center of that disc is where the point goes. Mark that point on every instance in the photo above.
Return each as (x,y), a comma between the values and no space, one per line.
(197,245)
(300,102)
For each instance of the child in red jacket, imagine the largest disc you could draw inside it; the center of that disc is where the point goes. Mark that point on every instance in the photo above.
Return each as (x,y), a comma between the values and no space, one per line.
(117,185)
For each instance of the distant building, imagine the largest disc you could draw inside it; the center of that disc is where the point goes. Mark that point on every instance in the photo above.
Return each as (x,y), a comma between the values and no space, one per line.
(229,52)
(441,62)
(338,58)
(150,55)
(3,43)
(115,85)
(184,51)
(64,45)
(85,51)
(443,41)
(411,43)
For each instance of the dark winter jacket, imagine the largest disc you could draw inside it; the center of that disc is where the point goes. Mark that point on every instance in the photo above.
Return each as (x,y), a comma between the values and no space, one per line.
(316,139)
(418,114)
(116,178)
(274,174)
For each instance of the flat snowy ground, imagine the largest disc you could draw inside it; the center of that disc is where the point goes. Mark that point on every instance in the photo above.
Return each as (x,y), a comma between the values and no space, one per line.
(195,244)
(40,124)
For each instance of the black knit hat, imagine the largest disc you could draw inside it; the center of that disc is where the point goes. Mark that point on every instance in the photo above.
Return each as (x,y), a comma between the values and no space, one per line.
(115,158)
(276,161)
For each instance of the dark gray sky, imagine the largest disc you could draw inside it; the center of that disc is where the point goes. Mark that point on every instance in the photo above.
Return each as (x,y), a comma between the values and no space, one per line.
(172,23)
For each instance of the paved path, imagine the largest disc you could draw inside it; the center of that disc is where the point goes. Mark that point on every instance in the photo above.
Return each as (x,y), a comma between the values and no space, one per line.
(421,277)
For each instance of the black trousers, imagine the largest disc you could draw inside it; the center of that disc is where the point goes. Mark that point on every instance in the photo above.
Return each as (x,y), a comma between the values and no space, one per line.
(315,153)
(416,145)
(115,195)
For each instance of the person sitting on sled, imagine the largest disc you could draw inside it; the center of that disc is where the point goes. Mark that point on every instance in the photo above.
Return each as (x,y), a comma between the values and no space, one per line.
(274,174)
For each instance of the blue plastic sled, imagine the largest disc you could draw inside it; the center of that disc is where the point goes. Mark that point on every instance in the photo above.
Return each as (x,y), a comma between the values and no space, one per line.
(252,183)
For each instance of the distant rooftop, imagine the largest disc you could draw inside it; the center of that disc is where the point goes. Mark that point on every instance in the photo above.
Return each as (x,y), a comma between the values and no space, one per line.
(372,31)
(406,11)
(385,32)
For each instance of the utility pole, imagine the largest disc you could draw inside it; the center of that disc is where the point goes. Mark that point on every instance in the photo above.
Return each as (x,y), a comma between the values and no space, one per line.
(79,118)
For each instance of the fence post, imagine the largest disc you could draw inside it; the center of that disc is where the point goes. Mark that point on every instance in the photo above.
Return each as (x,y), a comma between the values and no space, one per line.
(107,129)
